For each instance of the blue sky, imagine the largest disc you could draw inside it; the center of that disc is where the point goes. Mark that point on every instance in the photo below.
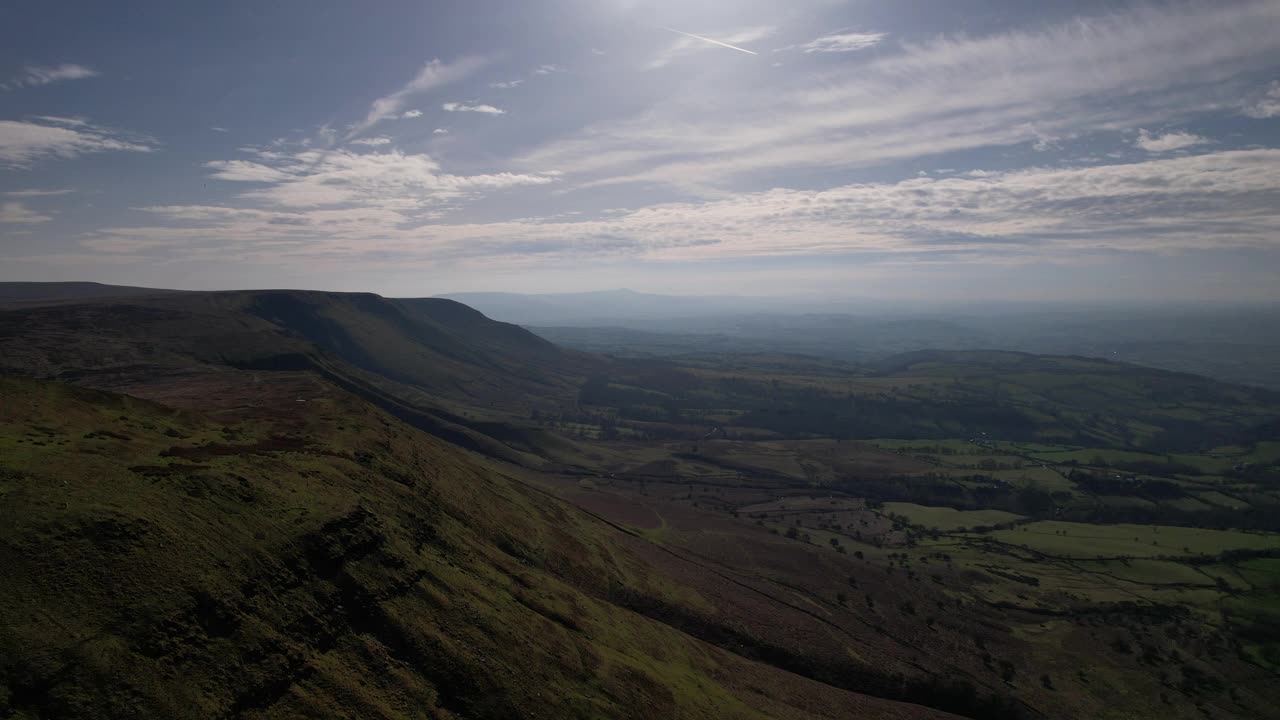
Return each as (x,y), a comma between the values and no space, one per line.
(933,150)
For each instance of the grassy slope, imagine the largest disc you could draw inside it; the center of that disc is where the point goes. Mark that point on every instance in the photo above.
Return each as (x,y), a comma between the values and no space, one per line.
(467,360)
(434,363)
(322,559)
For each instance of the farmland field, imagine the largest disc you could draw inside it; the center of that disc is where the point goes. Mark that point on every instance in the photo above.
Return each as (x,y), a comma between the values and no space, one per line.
(1080,540)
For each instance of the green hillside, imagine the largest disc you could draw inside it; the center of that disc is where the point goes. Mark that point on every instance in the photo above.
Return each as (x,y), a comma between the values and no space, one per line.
(327,561)
(433,362)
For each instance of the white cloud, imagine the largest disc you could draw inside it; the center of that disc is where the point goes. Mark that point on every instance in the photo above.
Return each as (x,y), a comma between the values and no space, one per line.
(75,122)
(1225,199)
(24,143)
(373,141)
(37,193)
(843,42)
(440,131)
(1168,141)
(1106,73)
(459,107)
(307,198)
(37,75)
(325,136)
(410,114)
(245,171)
(434,74)
(312,178)
(16,212)
(1267,106)
(1045,143)
(215,128)
(548,69)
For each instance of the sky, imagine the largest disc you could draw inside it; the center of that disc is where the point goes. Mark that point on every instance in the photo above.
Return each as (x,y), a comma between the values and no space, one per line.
(933,150)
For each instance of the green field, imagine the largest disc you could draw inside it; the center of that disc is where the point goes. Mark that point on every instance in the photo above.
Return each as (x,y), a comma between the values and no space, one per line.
(944,518)
(1079,540)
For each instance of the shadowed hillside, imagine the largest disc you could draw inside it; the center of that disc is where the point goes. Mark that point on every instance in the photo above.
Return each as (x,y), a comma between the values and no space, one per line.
(325,561)
(442,363)
(44,292)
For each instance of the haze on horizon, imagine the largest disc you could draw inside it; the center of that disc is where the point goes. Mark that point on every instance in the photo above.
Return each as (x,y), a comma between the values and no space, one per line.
(950,150)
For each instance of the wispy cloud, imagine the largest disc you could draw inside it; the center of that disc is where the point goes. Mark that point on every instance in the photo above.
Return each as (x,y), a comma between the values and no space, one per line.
(1168,141)
(75,122)
(1093,74)
(23,143)
(373,141)
(1153,206)
(440,131)
(37,75)
(410,114)
(434,74)
(346,207)
(313,178)
(301,197)
(713,42)
(17,213)
(30,193)
(547,69)
(246,171)
(460,107)
(843,42)
(1266,106)
(215,128)
(690,43)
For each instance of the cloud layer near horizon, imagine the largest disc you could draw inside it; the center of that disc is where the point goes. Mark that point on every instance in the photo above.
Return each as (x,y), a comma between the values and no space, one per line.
(1225,199)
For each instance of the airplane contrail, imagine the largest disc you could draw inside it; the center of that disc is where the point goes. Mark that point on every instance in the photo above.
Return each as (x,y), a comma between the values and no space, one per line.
(707,39)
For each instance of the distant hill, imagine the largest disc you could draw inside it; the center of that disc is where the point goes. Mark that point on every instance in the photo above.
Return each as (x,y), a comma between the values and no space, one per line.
(607,307)
(436,344)
(440,365)
(60,291)
(473,326)
(1232,343)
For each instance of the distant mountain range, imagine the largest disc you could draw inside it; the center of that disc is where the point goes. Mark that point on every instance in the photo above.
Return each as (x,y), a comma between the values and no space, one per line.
(1234,343)
(603,307)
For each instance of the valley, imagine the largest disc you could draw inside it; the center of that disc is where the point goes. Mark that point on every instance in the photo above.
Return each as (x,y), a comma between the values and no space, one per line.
(289,504)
